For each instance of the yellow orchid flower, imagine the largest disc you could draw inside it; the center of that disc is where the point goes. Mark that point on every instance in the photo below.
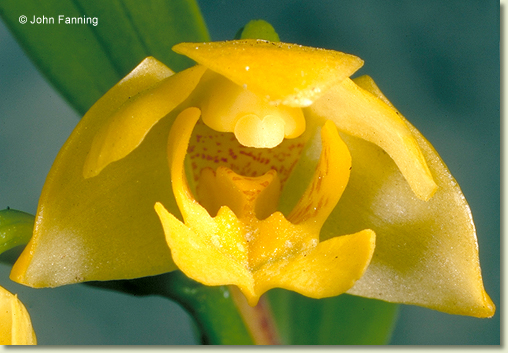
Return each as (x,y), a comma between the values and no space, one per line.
(264,139)
(15,325)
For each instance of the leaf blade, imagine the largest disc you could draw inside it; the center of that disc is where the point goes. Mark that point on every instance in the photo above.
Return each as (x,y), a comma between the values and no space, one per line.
(83,61)
(342,320)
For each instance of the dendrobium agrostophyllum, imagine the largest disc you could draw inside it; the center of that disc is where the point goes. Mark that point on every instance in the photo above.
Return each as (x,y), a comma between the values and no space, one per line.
(264,139)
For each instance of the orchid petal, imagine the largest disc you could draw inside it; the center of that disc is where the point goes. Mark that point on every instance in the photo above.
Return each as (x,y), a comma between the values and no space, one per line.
(359,113)
(126,128)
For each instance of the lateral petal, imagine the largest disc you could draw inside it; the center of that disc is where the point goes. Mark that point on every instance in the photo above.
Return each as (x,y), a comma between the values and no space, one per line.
(328,182)
(359,113)
(126,127)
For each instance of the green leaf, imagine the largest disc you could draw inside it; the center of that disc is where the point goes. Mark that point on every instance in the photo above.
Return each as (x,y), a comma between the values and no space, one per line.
(342,320)
(84,60)
(15,228)
(212,308)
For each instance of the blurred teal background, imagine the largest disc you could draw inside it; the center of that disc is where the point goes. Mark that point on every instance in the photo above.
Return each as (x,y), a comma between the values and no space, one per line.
(437,61)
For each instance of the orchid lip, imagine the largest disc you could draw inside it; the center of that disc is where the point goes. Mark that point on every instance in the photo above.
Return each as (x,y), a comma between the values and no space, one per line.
(236,247)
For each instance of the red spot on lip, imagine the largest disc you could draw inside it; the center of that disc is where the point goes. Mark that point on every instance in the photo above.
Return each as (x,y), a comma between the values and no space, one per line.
(209,148)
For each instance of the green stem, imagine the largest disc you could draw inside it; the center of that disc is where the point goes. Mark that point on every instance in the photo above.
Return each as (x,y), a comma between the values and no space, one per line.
(212,308)
(15,228)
